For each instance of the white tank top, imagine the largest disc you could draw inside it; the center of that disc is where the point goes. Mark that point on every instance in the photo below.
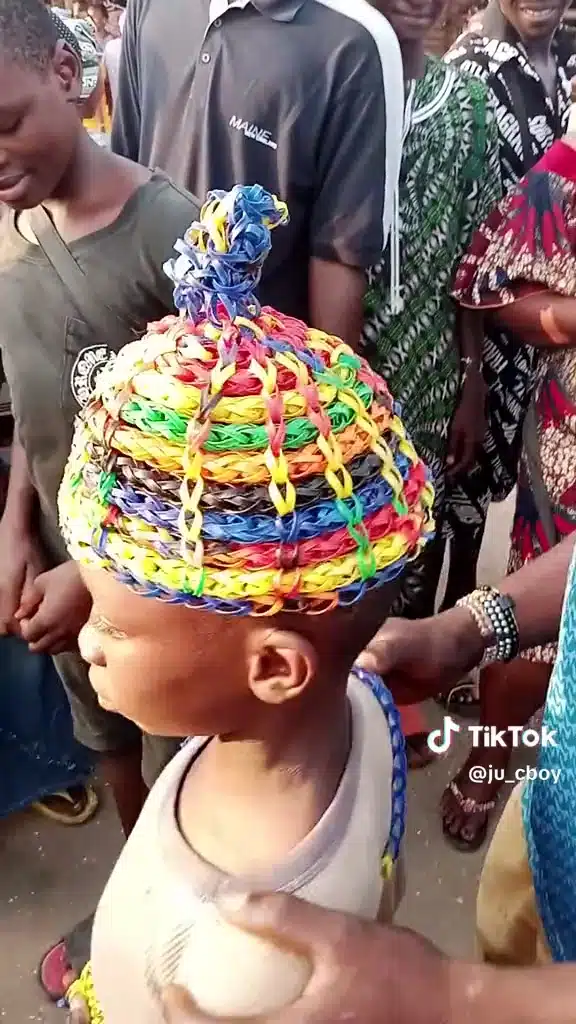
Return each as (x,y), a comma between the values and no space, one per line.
(156,923)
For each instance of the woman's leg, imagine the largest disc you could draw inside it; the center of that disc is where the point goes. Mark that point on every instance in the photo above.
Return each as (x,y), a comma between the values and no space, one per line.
(465,545)
(467,505)
(509,695)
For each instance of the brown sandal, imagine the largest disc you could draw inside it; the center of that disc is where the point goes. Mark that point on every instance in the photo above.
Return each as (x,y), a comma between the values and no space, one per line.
(72,806)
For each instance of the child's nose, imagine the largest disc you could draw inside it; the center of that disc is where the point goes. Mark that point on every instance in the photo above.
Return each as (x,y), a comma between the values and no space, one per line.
(90,648)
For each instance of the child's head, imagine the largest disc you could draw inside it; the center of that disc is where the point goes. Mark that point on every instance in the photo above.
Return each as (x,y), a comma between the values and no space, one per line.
(252,476)
(40,84)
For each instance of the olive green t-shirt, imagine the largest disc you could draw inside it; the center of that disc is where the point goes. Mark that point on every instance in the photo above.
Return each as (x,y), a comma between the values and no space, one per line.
(51,356)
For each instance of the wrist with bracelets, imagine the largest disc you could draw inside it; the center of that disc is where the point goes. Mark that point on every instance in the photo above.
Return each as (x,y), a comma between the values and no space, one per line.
(495,618)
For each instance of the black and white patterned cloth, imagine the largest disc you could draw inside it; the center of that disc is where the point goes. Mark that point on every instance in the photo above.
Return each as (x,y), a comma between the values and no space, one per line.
(78,36)
(529,120)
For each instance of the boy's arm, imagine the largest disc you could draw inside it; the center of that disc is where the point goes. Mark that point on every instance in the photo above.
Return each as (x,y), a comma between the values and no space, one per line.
(357,173)
(126,119)
(168,217)
(19,557)
(17,514)
(337,299)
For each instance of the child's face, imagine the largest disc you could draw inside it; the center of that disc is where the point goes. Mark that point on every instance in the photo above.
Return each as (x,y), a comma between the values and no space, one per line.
(175,670)
(39,128)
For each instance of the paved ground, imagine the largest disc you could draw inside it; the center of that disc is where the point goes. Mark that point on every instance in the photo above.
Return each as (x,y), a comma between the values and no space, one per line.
(50,876)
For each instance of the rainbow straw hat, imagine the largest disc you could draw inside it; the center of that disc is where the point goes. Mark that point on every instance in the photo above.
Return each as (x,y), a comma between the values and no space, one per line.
(235,459)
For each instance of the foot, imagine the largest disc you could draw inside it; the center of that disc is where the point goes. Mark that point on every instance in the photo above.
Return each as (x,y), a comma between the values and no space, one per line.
(418,753)
(466,805)
(72,806)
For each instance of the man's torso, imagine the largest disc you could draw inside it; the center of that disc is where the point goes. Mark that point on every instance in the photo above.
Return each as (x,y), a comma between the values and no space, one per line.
(242,98)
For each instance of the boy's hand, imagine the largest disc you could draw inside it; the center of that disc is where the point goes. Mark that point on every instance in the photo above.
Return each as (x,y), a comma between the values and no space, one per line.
(20,563)
(362,972)
(53,611)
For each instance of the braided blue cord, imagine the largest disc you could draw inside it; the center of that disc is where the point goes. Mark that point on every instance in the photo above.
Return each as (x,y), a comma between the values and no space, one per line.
(204,279)
(399,762)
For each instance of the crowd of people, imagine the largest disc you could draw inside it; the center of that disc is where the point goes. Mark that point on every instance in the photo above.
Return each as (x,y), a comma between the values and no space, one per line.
(305,484)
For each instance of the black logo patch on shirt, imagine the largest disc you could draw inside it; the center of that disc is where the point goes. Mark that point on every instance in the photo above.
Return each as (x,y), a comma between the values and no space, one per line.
(87,367)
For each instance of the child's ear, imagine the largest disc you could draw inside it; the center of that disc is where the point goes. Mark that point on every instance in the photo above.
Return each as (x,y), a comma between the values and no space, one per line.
(280,665)
(68,70)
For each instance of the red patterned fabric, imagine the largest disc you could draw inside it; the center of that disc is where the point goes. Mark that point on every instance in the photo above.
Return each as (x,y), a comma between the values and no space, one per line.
(528,242)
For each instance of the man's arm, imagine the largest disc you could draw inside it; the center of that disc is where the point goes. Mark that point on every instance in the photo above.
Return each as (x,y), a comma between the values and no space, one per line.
(504,995)
(423,657)
(337,299)
(357,174)
(538,592)
(126,119)
(366,973)
(17,513)
(18,554)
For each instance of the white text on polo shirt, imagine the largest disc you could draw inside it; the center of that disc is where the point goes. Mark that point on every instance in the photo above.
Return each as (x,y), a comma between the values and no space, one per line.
(252,131)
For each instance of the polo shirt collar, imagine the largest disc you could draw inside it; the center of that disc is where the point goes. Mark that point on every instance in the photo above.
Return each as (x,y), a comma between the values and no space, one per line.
(279,10)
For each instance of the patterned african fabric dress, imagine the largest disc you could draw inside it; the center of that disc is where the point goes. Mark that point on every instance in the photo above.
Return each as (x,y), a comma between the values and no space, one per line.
(449,182)
(528,121)
(528,244)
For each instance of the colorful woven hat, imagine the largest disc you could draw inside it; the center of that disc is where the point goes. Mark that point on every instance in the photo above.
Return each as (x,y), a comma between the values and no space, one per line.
(235,459)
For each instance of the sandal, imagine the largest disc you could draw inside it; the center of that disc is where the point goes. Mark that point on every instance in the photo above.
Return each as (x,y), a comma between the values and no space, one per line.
(72,806)
(470,809)
(55,973)
(64,962)
(463,699)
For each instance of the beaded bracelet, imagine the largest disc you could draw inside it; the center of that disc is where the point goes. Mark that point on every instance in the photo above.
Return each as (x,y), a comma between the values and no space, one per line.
(494,614)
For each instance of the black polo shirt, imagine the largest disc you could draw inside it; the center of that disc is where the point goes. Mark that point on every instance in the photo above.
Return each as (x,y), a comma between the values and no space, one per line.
(304,97)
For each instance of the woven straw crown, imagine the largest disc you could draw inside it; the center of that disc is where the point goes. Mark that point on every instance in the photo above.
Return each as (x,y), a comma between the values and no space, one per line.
(235,459)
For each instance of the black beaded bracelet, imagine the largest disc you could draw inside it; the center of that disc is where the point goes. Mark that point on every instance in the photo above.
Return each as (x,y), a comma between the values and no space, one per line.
(494,614)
